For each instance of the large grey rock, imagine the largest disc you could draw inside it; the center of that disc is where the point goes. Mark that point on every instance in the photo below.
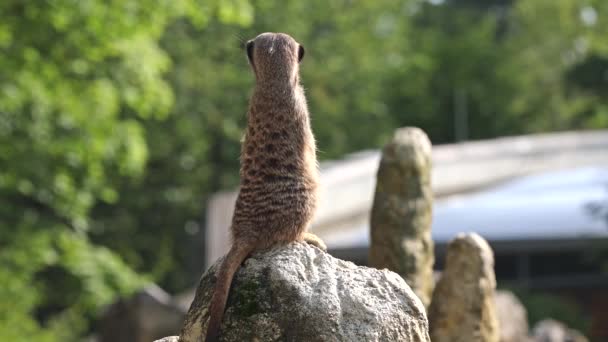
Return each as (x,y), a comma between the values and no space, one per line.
(462,308)
(300,293)
(402,210)
(550,330)
(512,317)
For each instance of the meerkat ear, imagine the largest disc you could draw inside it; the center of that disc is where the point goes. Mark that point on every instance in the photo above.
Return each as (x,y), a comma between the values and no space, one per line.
(300,53)
(249,48)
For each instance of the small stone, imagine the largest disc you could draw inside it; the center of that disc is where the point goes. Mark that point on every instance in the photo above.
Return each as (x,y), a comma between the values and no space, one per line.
(512,317)
(169,339)
(144,316)
(462,308)
(549,330)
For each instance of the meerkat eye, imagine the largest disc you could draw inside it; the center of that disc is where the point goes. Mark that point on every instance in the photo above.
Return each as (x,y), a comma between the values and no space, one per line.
(300,53)
(249,48)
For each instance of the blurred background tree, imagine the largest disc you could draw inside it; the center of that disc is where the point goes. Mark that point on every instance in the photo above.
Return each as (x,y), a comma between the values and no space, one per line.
(78,80)
(119,118)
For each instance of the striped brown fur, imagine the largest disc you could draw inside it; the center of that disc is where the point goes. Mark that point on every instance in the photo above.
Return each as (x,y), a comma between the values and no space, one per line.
(279,172)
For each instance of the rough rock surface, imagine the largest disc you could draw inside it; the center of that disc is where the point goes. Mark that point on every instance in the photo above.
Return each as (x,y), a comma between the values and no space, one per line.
(512,317)
(462,308)
(300,293)
(169,339)
(402,211)
(549,330)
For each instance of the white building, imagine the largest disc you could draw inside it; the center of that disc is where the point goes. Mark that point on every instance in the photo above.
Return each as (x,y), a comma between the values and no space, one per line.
(525,193)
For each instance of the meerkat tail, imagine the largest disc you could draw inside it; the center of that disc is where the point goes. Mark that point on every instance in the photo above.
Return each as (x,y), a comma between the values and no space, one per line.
(228,268)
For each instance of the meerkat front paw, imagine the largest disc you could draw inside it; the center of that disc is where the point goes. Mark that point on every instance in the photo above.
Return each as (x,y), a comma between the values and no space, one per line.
(314,240)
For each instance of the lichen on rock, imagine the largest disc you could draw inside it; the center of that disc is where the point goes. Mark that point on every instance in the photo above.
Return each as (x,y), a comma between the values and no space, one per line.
(299,293)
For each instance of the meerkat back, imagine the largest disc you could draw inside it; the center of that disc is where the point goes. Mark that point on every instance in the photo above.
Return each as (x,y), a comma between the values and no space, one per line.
(279,176)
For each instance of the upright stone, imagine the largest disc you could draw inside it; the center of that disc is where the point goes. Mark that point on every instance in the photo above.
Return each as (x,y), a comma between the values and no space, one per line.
(402,210)
(512,317)
(463,307)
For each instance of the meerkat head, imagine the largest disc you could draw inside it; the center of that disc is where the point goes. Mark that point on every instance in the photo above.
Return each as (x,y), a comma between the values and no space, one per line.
(274,57)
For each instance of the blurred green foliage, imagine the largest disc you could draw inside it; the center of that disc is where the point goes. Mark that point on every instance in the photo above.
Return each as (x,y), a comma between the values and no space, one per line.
(119,118)
(77,81)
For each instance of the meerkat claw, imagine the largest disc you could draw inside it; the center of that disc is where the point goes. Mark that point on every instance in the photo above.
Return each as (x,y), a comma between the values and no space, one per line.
(314,240)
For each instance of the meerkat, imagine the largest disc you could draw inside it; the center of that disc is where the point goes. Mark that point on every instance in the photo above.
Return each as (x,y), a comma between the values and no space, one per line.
(279,170)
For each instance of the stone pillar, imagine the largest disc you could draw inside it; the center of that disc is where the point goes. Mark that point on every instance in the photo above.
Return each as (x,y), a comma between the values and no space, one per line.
(512,317)
(463,307)
(402,211)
